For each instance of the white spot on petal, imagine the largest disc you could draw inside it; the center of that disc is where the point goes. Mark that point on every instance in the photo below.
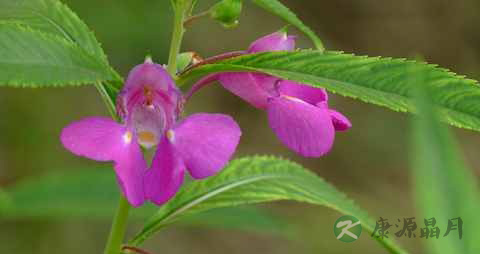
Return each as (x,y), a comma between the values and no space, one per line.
(293,99)
(171,135)
(127,137)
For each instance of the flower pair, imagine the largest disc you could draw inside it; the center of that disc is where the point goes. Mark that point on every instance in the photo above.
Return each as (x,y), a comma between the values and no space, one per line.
(149,106)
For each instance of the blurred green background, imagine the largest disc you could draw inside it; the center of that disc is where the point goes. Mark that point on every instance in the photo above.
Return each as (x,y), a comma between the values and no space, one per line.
(369,162)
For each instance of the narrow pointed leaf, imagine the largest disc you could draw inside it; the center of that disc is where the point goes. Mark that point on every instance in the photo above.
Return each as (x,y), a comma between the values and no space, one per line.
(31,58)
(277,8)
(254,180)
(445,188)
(381,81)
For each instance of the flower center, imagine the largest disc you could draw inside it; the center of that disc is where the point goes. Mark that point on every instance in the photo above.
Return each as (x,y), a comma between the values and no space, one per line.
(149,123)
(146,137)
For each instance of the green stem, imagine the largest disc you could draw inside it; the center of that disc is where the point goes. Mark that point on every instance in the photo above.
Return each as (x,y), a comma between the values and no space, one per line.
(190,19)
(179,8)
(119,226)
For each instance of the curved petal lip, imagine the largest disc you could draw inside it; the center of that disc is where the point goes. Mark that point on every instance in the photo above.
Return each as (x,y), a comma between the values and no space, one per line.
(302,127)
(340,122)
(130,168)
(166,174)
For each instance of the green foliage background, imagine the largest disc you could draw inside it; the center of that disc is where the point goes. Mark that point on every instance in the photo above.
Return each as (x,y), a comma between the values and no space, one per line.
(369,163)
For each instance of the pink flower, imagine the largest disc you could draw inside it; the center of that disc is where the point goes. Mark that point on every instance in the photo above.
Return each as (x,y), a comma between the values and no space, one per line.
(149,106)
(297,113)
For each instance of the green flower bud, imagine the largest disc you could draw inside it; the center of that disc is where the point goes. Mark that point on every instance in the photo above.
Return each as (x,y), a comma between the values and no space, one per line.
(227,12)
(186,59)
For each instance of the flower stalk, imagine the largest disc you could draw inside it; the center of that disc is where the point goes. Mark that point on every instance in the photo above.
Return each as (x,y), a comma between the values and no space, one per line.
(119,226)
(180,8)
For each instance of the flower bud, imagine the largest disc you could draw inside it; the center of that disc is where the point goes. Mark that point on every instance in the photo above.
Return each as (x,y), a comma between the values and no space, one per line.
(187,59)
(227,12)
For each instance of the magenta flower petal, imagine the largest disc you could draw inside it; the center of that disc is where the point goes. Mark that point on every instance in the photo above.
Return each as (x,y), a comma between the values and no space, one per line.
(302,127)
(148,74)
(130,167)
(149,87)
(96,138)
(249,86)
(166,174)
(103,139)
(340,122)
(205,142)
(306,93)
(273,42)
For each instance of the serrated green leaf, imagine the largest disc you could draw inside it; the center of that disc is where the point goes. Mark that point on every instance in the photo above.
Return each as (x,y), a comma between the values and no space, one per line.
(55,18)
(31,58)
(445,188)
(381,81)
(277,8)
(51,16)
(253,180)
(93,193)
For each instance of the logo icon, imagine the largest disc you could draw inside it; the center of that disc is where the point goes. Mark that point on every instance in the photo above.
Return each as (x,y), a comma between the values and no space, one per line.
(347,229)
